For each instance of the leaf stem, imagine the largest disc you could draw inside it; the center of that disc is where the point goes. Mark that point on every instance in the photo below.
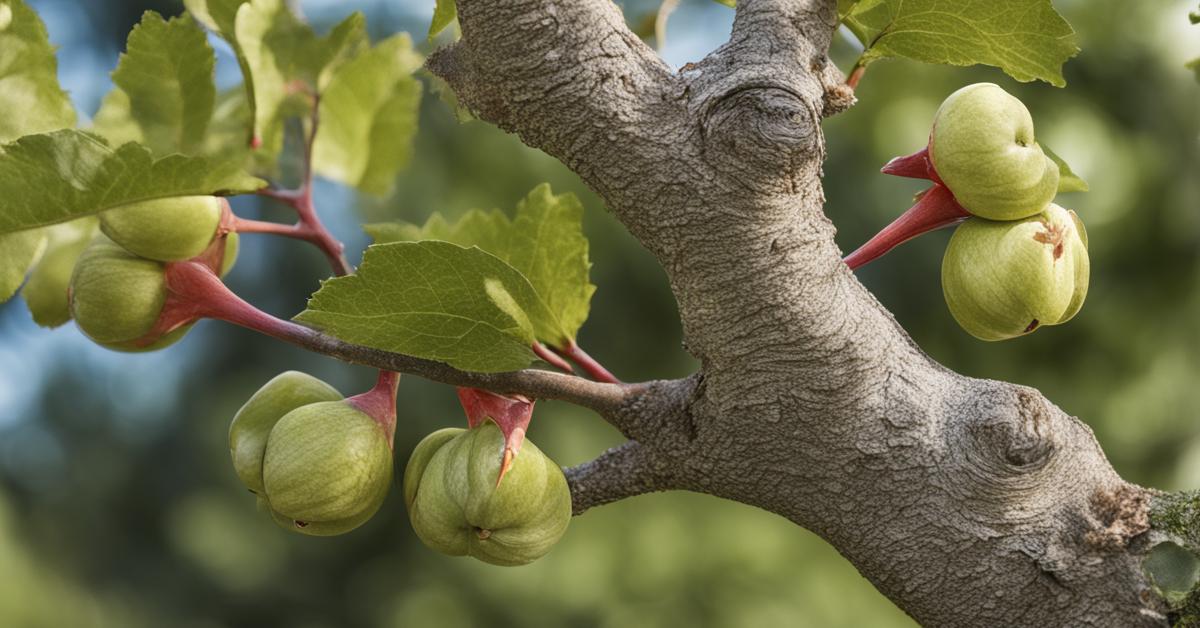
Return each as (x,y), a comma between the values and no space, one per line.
(857,72)
(310,227)
(589,364)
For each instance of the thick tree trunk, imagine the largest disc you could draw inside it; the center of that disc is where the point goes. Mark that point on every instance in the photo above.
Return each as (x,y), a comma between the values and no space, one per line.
(967,502)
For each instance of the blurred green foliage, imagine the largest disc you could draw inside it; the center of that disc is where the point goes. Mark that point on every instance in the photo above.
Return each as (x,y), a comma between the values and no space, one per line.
(120,507)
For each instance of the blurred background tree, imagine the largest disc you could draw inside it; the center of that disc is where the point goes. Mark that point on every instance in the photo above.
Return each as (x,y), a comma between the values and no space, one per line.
(118,505)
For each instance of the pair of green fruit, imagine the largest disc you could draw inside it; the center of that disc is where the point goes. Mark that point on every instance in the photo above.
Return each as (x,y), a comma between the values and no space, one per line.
(117,288)
(1020,261)
(321,466)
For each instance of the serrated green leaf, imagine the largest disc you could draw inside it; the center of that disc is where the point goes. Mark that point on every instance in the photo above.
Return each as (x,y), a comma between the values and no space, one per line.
(164,93)
(18,252)
(55,177)
(1027,39)
(432,300)
(544,242)
(287,61)
(1068,181)
(220,16)
(369,117)
(31,100)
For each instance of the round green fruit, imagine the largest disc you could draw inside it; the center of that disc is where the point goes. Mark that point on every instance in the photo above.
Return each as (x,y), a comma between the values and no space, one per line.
(45,291)
(116,297)
(253,423)
(327,468)
(456,507)
(1007,279)
(167,229)
(983,148)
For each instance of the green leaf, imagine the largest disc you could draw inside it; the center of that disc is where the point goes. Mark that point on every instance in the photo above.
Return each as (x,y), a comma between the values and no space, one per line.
(287,61)
(18,252)
(544,242)
(45,291)
(432,300)
(55,177)
(218,15)
(1068,181)
(164,94)
(444,13)
(728,3)
(369,117)
(31,100)
(1027,39)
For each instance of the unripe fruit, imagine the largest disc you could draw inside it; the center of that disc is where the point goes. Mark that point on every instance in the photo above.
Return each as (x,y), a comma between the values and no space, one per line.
(167,229)
(457,508)
(116,297)
(983,148)
(45,291)
(232,248)
(254,421)
(1006,279)
(327,468)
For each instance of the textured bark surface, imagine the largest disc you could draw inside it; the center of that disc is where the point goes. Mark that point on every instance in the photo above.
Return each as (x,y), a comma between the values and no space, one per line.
(967,502)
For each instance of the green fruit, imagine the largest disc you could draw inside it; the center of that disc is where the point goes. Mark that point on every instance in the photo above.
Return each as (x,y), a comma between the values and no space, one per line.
(232,248)
(983,148)
(117,297)
(1006,279)
(167,229)
(253,422)
(45,291)
(327,468)
(456,507)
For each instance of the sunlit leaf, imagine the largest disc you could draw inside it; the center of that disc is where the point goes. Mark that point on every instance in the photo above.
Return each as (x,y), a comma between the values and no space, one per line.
(544,241)
(31,100)
(18,252)
(369,117)
(55,177)
(1027,39)
(433,300)
(164,93)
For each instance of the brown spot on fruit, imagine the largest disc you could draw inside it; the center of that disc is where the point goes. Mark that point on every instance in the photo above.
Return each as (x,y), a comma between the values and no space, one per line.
(301,524)
(483,534)
(1032,326)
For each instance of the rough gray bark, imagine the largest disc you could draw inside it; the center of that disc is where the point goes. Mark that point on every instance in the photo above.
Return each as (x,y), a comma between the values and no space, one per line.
(967,502)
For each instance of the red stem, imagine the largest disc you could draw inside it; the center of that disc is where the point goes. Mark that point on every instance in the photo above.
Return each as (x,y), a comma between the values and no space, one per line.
(380,402)
(589,364)
(551,357)
(310,227)
(935,209)
(856,74)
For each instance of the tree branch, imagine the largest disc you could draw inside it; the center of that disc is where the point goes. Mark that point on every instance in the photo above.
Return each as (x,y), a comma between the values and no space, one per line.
(967,502)
(624,471)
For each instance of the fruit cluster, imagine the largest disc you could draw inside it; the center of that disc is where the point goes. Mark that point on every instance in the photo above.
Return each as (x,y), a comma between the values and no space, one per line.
(1017,261)
(318,464)
(322,465)
(113,283)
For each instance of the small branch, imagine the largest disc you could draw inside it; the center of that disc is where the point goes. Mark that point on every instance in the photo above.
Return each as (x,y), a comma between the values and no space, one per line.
(196,292)
(624,471)
(310,227)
